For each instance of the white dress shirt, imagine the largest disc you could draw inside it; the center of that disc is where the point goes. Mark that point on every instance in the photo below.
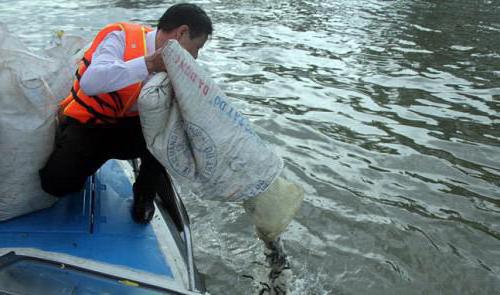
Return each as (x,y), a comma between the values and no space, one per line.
(109,72)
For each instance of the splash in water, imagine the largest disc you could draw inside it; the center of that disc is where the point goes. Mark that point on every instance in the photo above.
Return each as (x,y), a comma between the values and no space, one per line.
(280,274)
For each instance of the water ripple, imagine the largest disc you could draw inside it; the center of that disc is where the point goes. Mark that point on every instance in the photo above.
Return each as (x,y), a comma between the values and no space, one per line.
(387,112)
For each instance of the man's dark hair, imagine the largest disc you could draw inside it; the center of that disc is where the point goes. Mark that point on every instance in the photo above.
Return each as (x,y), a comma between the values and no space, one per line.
(186,14)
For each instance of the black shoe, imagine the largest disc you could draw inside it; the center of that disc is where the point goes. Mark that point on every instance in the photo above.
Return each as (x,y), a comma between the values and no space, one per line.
(143,208)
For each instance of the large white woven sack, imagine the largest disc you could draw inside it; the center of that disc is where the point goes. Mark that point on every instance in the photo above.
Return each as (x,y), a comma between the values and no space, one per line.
(203,141)
(30,86)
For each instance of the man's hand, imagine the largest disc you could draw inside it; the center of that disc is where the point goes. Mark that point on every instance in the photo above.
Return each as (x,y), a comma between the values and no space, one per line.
(154,62)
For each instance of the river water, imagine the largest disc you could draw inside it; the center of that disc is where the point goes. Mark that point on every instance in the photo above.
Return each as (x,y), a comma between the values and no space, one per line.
(387,112)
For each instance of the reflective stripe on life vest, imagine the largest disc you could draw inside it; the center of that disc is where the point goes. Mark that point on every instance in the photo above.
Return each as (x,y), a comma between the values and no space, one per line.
(107,107)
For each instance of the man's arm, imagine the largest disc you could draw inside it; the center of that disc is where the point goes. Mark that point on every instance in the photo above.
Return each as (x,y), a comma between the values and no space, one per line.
(108,71)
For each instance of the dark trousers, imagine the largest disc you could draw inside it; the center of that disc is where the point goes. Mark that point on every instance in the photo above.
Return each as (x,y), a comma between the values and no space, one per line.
(81,149)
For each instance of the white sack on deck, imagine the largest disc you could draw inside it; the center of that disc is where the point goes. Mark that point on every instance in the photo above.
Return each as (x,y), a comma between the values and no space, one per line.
(30,86)
(204,142)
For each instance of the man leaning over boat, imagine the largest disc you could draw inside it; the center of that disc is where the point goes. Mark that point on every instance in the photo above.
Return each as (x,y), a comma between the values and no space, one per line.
(99,119)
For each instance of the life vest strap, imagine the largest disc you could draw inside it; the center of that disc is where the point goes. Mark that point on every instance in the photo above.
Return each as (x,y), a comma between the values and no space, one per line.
(102,117)
(86,61)
(117,100)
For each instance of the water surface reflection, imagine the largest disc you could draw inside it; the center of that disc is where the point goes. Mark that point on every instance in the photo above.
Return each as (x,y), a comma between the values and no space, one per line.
(386,111)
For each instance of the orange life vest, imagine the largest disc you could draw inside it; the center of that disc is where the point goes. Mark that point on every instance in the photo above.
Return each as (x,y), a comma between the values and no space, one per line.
(107,107)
